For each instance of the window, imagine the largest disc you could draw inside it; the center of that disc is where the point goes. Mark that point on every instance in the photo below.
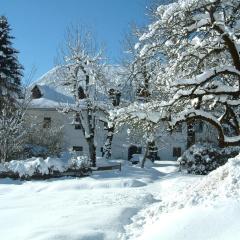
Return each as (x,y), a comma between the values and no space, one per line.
(36,93)
(177,152)
(178,128)
(47,122)
(102,151)
(77,148)
(77,126)
(199,127)
(77,122)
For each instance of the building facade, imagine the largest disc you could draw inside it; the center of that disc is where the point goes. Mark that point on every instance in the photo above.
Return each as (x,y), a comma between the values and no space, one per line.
(44,111)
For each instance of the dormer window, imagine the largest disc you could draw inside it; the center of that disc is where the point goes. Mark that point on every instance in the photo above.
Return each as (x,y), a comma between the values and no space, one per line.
(36,93)
(81,94)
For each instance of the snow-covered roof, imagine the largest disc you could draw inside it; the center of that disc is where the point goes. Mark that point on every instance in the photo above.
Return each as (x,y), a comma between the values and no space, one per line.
(50,97)
(54,93)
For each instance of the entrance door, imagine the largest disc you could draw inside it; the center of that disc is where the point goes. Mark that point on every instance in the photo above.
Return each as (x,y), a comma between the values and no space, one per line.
(133,149)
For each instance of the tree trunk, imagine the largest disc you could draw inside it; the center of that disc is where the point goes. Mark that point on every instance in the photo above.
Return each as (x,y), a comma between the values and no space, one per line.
(145,155)
(107,148)
(190,134)
(221,139)
(92,150)
(91,130)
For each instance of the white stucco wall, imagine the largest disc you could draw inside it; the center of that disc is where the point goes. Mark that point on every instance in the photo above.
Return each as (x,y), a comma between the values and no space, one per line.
(121,140)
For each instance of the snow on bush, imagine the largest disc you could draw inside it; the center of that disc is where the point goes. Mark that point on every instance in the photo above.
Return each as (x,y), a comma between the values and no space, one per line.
(204,158)
(39,166)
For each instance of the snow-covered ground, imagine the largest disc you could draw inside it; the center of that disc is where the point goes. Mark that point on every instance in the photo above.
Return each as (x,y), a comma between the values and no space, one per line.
(204,208)
(153,203)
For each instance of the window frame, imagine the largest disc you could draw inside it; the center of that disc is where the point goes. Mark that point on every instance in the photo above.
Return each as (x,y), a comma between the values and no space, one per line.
(178,128)
(77,148)
(77,124)
(47,122)
(177,151)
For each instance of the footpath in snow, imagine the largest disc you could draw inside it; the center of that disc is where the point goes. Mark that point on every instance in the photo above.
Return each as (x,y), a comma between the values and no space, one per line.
(95,207)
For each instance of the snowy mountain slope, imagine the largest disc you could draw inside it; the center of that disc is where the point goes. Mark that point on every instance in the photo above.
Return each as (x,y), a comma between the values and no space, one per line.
(115,78)
(53,79)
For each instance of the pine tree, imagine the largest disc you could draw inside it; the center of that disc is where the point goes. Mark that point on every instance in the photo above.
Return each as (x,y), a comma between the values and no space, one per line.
(10,69)
(12,130)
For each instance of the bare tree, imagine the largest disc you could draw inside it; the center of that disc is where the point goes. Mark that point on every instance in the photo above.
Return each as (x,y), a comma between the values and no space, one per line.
(13,128)
(47,139)
(82,72)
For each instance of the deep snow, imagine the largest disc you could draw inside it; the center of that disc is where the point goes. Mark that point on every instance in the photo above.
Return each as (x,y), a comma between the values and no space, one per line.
(208,208)
(148,204)
(95,207)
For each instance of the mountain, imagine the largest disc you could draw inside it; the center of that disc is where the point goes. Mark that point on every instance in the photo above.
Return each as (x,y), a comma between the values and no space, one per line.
(53,91)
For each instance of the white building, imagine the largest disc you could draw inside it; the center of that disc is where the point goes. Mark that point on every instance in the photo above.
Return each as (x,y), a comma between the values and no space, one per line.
(44,110)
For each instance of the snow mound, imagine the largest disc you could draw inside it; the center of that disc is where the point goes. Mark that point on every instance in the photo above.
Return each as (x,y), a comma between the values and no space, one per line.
(221,185)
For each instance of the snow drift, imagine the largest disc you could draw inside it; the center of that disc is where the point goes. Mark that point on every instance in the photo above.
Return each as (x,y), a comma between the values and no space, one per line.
(194,207)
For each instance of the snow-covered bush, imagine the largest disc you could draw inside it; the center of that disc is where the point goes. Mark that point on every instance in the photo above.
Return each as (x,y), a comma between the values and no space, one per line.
(80,162)
(44,168)
(204,158)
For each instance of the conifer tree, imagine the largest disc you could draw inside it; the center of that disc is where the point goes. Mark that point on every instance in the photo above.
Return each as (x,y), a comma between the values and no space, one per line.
(12,130)
(10,69)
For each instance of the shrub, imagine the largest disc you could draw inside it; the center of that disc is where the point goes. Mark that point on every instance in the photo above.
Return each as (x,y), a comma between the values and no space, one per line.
(39,168)
(42,142)
(204,158)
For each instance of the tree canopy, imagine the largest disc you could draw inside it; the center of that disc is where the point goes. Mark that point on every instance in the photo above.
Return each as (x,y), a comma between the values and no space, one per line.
(197,43)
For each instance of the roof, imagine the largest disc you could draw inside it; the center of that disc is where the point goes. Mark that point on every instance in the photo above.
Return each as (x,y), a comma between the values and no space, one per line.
(54,93)
(50,98)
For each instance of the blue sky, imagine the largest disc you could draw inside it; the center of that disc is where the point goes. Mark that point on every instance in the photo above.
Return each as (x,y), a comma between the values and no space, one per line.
(39,25)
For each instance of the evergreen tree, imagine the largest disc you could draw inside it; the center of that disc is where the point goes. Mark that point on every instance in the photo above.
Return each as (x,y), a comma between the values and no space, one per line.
(10,69)
(12,130)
